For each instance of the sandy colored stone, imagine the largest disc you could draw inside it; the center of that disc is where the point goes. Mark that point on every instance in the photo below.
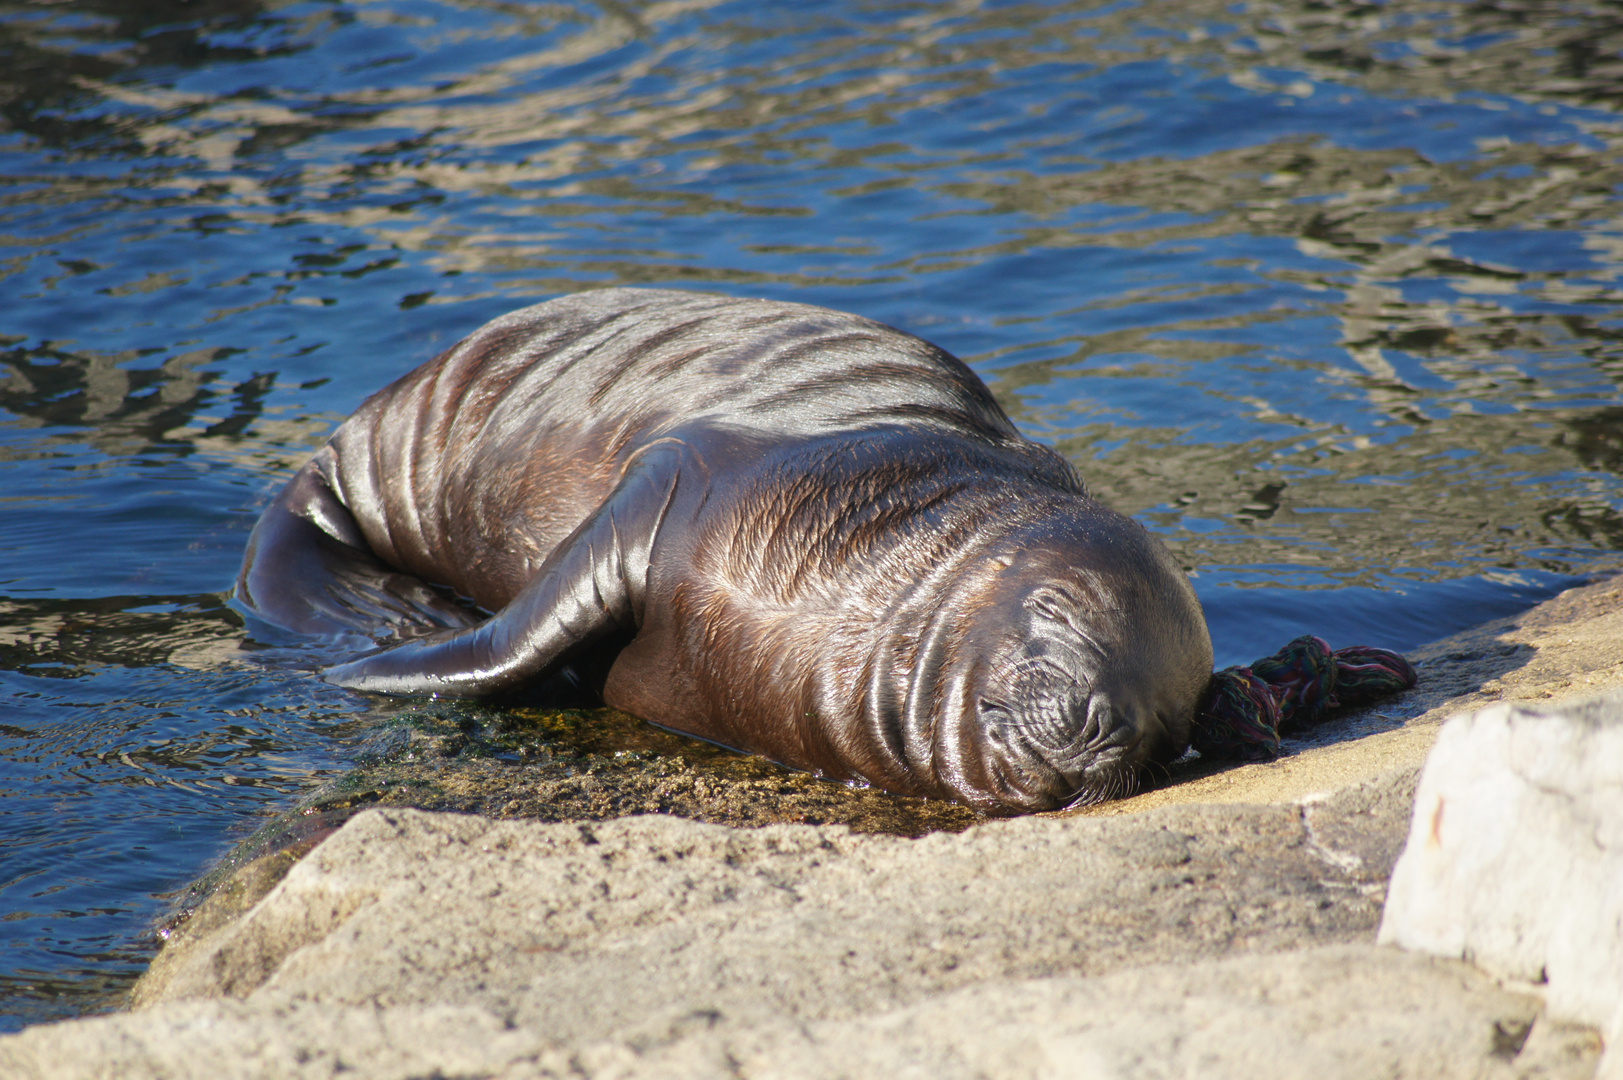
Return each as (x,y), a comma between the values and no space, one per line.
(1339,1012)
(1350,1012)
(1515,853)
(1611,1066)
(225,1040)
(543,922)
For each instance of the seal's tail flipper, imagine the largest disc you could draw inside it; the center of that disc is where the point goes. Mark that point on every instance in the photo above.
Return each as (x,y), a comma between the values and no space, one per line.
(591,586)
(308,570)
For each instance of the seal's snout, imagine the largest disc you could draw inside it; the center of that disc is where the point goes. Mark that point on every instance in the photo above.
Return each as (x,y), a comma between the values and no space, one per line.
(1116,738)
(1111,729)
(1055,743)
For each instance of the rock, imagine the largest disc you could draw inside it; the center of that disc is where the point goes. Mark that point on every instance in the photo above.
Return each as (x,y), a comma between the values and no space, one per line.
(1611,1066)
(1347,1012)
(1337,1012)
(224,1040)
(578,935)
(542,923)
(1515,855)
(1218,940)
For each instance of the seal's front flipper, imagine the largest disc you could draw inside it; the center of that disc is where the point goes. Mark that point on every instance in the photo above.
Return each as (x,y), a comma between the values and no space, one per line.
(589,589)
(308,569)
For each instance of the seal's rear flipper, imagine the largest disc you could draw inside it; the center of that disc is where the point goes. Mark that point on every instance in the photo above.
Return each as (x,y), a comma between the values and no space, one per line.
(308,569)
(590,588)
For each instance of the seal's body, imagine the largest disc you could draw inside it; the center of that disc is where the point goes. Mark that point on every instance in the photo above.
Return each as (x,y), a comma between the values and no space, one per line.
(785,529)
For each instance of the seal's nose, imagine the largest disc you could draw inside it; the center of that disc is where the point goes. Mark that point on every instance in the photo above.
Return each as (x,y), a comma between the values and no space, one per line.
(1061,750)
(1118,735)
(1115,728)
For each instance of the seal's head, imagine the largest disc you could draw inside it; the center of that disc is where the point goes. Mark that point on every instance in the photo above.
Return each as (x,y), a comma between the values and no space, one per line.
(1084,655)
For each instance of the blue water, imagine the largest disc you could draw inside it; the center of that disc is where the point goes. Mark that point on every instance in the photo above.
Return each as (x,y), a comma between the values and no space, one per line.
(1326,298)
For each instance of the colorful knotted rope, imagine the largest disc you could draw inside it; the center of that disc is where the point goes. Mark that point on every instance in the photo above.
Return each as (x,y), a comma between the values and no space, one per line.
(1246,708)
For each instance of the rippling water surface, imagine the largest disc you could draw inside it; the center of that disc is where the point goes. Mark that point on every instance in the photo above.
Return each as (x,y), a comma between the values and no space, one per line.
(1325,292)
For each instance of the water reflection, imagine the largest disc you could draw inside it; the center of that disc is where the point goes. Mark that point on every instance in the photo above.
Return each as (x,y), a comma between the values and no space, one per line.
(66,639)
(57,59)
(1323,291)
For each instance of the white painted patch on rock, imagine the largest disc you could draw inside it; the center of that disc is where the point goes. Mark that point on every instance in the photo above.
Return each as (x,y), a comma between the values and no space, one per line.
(1515,854)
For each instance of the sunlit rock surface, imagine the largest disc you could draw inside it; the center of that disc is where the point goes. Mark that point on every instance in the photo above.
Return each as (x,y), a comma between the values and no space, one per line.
(1515,855)
(1347,1012)
(1168,941)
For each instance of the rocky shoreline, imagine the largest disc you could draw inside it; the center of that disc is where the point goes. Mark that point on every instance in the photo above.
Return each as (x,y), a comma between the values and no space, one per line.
(1222,924)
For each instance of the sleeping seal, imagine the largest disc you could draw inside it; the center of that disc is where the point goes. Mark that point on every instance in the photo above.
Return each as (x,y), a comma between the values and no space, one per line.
(792,531)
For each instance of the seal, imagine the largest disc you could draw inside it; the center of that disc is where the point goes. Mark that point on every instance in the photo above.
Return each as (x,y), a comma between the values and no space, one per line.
(792,531)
